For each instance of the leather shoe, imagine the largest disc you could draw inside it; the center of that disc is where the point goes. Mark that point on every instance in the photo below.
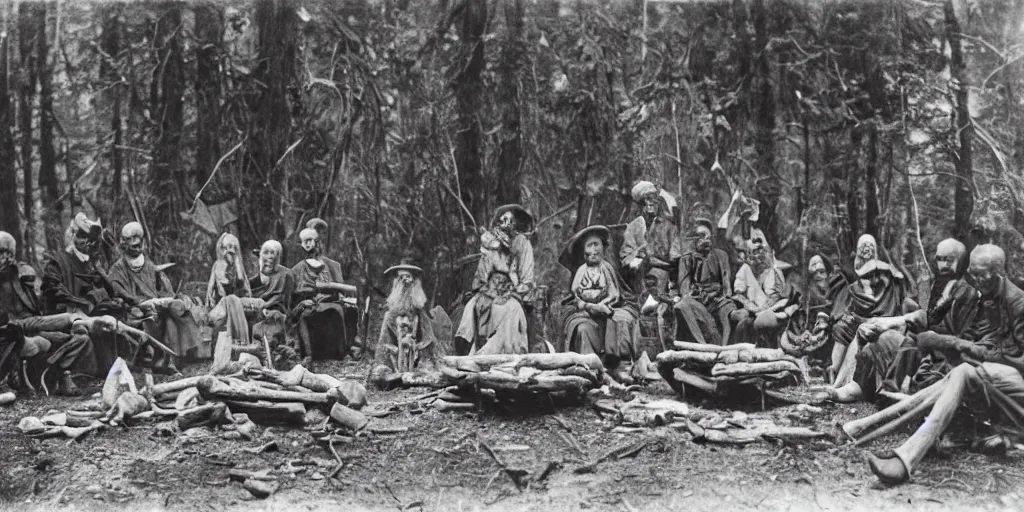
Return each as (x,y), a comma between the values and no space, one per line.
(890,470)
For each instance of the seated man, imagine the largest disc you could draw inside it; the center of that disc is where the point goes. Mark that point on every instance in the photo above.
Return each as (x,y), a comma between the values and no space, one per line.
(987,333)
(889,356)
(327,324)
(407,342)
(603,322)
(761,289)
(807,333)
(18,303)
(227,277)
(650,245)
(274,287)
(73,282)
(705,291)
(146,289)
(493,321)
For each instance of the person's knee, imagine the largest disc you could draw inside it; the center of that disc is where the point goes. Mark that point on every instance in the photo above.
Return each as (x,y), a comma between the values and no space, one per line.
(892,337)
(34,346)
(765,321)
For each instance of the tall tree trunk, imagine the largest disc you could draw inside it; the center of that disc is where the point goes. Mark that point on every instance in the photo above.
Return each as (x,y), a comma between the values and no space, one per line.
(468,89)
(854,190)
(962,158)
(209,37)
(10,217)
(871,210)
(27,34)
(277,23)
(171,181)
(769,186)
(110,43)
(510,154)
(49,184)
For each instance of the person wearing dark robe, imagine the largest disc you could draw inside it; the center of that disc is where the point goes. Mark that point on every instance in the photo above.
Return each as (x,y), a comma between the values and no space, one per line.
(494,319)
(275,282)
(705,291)
(140,283)
(73,282)
(407,342)
(56,346)
(327,321)
(650,246)
(890,355)
(807,333)
(603,319)
(985,330)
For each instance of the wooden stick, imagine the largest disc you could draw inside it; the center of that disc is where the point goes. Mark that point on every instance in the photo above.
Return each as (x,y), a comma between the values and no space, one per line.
(175,385)
(678,357)
(857,427)
(539,361)
(212,388)
(739,369)
(844,374)
(921,408)
(704,347)
(694,380)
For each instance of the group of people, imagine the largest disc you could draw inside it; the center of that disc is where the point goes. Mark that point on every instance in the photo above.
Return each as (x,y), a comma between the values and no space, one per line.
(720,284)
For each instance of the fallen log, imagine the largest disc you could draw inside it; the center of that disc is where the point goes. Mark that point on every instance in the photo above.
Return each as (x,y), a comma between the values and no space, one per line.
(349,418)
(206,414)
(558,383)
(704,347)
(857,427)
(695,381)
(756,355)
(444,406)
(751,369)
(212,388)
(493,380)
(539,361)
(679,357)
(176,385)
(425,378)
(271,413)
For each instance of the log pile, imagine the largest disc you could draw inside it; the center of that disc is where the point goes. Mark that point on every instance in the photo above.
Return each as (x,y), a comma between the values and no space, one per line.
(712,368)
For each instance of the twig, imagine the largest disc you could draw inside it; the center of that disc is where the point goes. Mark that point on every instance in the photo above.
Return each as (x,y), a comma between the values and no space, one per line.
(341,464)
(555,214)
(512,476)
(214,172)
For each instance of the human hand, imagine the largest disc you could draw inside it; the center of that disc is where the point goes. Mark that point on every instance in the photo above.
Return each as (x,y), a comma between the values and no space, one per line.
(635,263)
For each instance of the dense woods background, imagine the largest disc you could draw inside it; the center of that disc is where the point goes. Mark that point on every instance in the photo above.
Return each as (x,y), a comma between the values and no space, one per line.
(403,123)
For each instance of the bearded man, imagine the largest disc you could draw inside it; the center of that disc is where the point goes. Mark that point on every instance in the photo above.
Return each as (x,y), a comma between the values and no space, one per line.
(275,282)
(705,291)
(985,330)
(650,245)
(327,323)
(604,321)
(494,321)
(227,277)
(890,354)
(808,328)
(146,289)
(407,341)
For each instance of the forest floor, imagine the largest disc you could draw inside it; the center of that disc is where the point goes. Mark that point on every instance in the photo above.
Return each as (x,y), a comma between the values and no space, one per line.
(439,464)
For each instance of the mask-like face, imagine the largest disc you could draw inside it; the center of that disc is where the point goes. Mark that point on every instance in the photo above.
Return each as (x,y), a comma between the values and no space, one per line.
(867,250)
(758,244)
(229,248)
(816,268)
(878,282)
(404,277)
(983,277)
(593,249)
(507,222)
(702,239)
(269,256)
(6,258)
(651,208)
(85,243)
(947,257)
(310,241)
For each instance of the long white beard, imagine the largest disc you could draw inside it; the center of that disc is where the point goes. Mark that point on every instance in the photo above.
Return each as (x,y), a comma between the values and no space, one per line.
(406,298)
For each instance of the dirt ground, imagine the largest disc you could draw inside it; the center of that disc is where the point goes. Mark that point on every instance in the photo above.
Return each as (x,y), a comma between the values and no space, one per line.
(440,464)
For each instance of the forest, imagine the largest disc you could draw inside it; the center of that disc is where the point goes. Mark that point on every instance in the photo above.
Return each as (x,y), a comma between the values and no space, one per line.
(404,123)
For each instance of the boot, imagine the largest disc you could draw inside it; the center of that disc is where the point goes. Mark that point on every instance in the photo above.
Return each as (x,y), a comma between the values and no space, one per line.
(66,386)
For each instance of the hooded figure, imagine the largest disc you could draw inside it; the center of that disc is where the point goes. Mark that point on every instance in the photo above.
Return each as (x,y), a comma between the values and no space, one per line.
(603,321)
(327,323)
(650,244)
(138,281)
(494,321)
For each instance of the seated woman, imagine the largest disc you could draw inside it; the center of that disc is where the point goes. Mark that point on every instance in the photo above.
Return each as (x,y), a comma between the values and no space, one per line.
(760,289)
(494,321)
(603,321)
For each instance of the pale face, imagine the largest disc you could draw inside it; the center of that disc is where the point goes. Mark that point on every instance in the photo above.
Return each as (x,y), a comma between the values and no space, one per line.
(6,257)
(133,246)
(507,222)
(268,259)
(593,249)
(946,261)
(758,244)
(816,267)
(652,206)
(309,242)
(982,275)
(404,276)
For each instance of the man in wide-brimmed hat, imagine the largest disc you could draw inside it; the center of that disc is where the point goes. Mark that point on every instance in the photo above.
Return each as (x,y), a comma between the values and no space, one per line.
(407,341)
(602,321)
(650,245)
(705,290)
(493,321)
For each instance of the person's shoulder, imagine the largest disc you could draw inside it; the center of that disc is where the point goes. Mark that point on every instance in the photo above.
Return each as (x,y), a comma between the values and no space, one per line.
(283,269)
(25,270)
(299,266)
(1013,293)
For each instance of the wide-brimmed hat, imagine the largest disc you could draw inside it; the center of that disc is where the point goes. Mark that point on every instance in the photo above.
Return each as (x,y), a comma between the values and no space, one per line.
(522,214)
(572,255)
(409,268)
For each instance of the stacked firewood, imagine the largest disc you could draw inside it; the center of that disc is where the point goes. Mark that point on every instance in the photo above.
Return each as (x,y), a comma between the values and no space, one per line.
(707,367)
